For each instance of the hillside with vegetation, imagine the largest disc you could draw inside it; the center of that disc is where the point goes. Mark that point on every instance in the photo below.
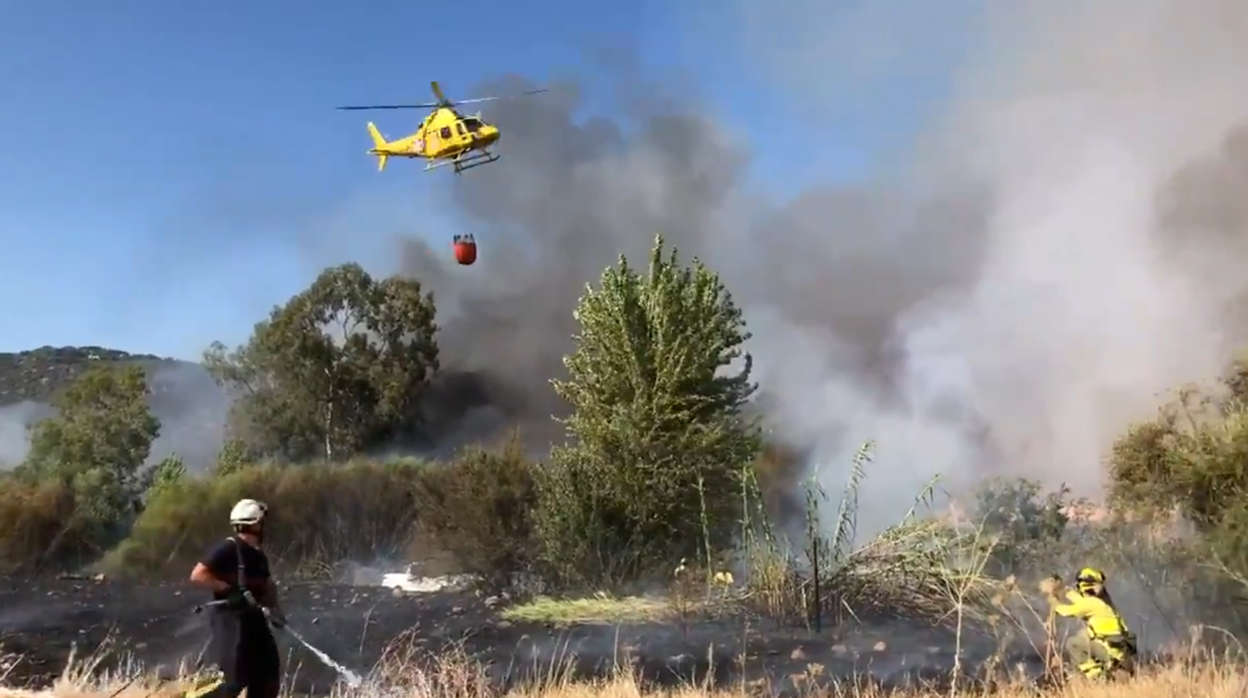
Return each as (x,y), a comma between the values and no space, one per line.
(665,478)
(39,374)
(182,394)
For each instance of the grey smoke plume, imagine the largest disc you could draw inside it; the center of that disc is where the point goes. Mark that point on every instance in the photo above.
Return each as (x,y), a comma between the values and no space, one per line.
(192,410)
(14,422)
(1060,248)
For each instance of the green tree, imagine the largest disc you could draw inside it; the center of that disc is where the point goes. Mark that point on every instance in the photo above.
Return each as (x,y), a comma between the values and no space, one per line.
(660,442)
(97,444)
(335,371)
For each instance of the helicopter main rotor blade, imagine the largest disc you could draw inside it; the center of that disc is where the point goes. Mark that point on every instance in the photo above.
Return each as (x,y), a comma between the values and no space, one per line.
(477,100)
(429,105)
(444,103)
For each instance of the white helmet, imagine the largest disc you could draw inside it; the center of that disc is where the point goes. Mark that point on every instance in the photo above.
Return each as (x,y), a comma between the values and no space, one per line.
(247,512)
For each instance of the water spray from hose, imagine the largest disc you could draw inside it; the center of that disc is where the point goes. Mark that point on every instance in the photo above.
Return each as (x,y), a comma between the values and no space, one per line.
(351,678)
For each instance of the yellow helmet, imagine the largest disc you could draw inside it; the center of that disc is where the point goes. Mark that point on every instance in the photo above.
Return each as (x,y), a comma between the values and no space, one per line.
(1090,580)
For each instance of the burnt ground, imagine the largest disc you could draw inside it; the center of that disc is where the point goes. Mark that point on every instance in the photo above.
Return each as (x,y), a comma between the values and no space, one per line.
(156,626)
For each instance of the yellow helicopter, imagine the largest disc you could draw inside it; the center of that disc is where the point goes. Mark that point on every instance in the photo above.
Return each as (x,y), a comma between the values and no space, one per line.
(445,137)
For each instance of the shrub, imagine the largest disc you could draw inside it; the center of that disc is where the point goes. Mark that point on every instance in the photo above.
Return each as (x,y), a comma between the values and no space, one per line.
(920,568)
(1192,459)
(1026,524)
(479,510)
(39,527)
(319,515)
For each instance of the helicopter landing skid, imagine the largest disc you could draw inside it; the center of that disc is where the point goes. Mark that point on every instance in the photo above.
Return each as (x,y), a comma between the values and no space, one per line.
(468,161)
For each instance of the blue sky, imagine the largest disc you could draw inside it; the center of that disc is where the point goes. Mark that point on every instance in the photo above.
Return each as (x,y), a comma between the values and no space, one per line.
(137,134)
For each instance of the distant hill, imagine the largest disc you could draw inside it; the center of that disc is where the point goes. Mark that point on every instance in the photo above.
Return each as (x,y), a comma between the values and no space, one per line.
(189,404)
(37,375)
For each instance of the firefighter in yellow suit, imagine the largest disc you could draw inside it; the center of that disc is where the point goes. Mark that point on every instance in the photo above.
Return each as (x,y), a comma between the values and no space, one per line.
(1106,646)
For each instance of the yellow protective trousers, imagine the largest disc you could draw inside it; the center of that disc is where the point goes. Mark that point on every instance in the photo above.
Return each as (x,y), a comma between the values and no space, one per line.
(1098,657)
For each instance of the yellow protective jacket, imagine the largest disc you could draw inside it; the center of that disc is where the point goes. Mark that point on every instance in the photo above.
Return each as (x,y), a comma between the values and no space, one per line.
(1100,615)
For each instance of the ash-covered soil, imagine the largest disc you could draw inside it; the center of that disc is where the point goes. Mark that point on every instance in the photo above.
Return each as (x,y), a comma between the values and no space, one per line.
(155,625)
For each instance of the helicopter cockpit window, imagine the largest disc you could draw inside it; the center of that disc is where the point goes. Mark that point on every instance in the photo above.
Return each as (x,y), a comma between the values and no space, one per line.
(459,127)
(445,132)
(472,125)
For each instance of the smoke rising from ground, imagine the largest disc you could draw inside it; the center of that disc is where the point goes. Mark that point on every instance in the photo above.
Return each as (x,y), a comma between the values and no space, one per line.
(1080,311)
(1060,249)
(14,422)
(192,410)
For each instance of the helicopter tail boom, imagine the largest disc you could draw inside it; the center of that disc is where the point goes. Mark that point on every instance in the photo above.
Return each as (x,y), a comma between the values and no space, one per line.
(379,145)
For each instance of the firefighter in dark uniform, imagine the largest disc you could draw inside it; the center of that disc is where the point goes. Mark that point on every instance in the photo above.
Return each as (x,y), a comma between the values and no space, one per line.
(245,607)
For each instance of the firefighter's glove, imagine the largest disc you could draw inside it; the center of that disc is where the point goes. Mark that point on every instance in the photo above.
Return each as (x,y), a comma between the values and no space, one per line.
(239,599)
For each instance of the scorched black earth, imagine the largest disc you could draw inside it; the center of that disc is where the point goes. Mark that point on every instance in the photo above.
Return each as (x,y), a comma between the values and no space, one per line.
(156,625)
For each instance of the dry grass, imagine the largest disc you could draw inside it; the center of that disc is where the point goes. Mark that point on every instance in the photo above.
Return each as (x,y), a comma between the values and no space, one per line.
(456,680)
